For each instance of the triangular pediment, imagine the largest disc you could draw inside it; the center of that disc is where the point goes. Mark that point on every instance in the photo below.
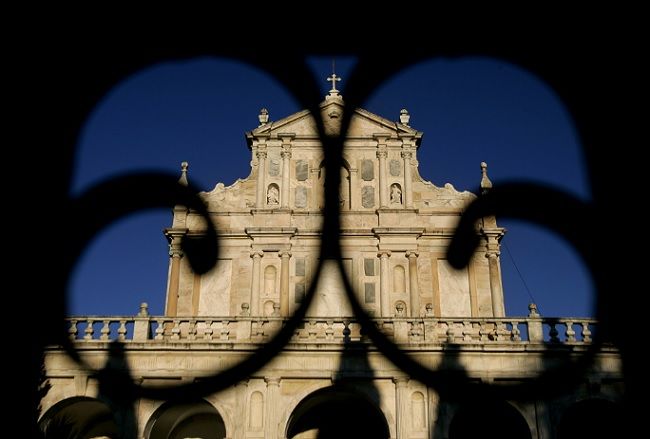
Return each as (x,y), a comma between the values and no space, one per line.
(364,124)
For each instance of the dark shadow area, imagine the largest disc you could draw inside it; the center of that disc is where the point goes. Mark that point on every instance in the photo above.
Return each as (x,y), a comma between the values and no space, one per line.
(185,419)
(348,409)
(78,418)
(592,418)
(61,82)
(488,419)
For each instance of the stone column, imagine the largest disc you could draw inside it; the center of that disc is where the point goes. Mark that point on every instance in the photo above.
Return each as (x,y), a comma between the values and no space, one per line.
(175,254)
(498,307)
(284,283)
(355,189)
(401,407)
(272,402)
(286,161)
(255,285)
(408,191)
(383,180)
(242,396)
(260,202)
(493,236)
(413,283)
(384,293)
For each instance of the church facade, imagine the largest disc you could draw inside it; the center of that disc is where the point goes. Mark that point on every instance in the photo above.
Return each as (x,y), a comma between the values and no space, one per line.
(395,228)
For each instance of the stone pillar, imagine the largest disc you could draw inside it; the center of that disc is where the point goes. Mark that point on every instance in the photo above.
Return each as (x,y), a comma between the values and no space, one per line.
(255,285)
(384,293)
(496,290)
(413,283)
(260,202)
(284,283)
(175,254)
(272,402)
(242,396)
(401,407)
(286,161)
(383,181)
(408,190)
(355,189)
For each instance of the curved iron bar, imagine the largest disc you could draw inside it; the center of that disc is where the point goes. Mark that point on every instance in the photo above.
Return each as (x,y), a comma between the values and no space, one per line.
(537,204)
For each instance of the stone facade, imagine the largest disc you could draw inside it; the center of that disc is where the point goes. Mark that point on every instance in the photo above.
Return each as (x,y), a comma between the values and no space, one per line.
(395,229)
(269,225)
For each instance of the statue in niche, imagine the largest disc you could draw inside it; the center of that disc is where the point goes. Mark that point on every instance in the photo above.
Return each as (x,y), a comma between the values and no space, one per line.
(272,196)
(395,194)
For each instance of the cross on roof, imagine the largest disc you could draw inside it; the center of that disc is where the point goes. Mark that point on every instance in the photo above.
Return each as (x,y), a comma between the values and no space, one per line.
(333,79)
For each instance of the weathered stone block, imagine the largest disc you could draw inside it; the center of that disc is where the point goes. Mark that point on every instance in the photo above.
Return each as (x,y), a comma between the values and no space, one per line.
(302,170)
(367,170)
(301,197)
(368,196)
(395,168)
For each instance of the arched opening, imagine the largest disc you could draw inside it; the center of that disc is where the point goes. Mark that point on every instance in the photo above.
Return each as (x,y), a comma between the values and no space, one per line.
(78,417)
(270,274)
(592,418)
(191,419)
(399,279)
(490,419)
(337,413)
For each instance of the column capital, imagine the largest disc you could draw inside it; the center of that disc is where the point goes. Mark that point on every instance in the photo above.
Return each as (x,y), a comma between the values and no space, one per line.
(407,154)
(412,254)
(384,253)
(257,254)
(285,153)
(272,381)
(382,153)
(261,154)
(401,381)
(284,253)
(492,254)
(381,138)
(286,138)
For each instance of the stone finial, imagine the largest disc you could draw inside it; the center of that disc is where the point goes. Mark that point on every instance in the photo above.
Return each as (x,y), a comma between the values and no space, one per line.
(486,184)
(144,310)
(404,116)
(184,168)
(263,117)
(532,310)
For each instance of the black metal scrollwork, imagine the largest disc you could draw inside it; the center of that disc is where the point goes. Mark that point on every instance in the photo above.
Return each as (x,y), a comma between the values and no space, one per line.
(555,210)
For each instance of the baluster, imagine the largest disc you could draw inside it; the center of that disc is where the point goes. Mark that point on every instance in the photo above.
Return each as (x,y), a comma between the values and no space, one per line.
(225,332)
(552,333)
(346,331)
(106,330)
(191,329)
(207,332)
(516,333)
(121,331)
(160,329)
(586,333)
(450,333)
(570,333)
(329,330)
(72,330)
(176,330)
(467,331)
(90,330)
(483,332)
(312,329)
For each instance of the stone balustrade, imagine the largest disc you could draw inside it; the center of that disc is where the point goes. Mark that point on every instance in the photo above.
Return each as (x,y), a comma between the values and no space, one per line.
(402,330)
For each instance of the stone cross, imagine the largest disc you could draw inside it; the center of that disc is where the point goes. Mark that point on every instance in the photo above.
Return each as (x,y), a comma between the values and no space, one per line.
(333,79)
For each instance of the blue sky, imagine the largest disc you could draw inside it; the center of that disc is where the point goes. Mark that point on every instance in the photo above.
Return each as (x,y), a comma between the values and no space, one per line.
(470,110)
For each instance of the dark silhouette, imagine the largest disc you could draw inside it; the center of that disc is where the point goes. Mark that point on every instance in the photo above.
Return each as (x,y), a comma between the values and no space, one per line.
(60,82)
